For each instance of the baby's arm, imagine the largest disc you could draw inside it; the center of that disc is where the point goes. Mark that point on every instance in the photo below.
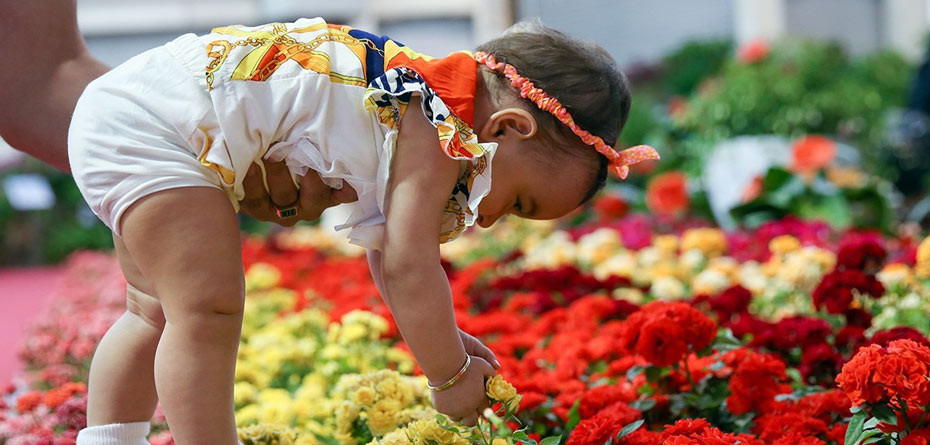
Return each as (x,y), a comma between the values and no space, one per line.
(422,177)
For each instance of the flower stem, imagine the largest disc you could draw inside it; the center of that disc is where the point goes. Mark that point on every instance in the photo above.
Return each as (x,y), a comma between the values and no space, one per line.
(907,422)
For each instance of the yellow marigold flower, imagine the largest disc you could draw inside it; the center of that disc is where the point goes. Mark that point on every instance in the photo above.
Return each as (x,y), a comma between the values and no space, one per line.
(262,276)
(247,415)
(783,244)
(597,246)
(622,264)
(499,389)
(667,244)
(346,413)
(267,435)
(499,441)
(244,393)
(307,439)
(382,417)
(846,177)
(894,274)
(364,396)
(402,358)
(922,268)
(428,432)
(397,389)
(712,242)
(665,269)
(396,437)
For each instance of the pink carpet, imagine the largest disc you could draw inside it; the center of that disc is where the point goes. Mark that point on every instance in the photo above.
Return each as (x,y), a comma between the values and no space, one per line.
(24,294)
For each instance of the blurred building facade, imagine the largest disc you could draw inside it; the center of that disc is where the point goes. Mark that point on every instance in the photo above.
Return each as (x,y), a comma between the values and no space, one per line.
(633,31)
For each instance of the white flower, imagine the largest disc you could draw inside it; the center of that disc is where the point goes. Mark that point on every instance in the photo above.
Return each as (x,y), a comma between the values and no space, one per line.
(598,245)
(667,288)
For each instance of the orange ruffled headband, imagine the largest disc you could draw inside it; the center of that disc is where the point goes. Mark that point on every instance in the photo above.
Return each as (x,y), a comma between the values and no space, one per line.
(619,162)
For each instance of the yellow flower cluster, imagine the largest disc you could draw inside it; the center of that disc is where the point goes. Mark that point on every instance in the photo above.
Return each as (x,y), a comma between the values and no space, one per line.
(296,370)
(923,259)
(381,401)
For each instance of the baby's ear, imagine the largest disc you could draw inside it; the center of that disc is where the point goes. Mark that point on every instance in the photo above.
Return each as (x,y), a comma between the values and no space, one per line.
(514,122)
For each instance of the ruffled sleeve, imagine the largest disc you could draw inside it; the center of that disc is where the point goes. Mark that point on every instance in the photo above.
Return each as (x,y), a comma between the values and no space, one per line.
(388,97)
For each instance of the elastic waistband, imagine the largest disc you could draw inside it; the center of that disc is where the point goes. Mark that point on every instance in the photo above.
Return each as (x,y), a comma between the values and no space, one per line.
(190,51)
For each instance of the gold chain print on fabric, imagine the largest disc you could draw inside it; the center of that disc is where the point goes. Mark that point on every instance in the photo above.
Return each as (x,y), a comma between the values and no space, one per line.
(276,47)
(454,209)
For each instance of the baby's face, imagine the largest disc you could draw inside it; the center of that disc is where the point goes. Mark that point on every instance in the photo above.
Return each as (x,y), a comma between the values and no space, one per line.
(529,187)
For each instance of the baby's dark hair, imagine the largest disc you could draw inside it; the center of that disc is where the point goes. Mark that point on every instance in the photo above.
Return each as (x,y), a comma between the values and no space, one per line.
(581,75)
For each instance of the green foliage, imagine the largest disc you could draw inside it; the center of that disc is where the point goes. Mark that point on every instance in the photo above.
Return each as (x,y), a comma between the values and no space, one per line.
(694,61)
(800,88)
(784,193)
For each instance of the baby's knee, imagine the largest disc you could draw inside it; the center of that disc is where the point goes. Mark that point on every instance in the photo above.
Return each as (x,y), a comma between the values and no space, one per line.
(225,299)
(145,306)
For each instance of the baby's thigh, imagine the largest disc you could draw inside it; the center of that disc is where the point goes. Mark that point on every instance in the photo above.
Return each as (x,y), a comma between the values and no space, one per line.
(185,242)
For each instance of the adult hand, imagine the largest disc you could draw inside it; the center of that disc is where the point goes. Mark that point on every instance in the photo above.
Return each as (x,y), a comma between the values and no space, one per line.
(465,400)
(313,197)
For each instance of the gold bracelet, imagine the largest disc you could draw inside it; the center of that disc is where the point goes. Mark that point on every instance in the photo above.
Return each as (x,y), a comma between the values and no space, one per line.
(452,381)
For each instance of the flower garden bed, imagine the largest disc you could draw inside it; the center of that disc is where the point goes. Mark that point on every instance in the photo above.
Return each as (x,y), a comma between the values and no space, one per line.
(692,337)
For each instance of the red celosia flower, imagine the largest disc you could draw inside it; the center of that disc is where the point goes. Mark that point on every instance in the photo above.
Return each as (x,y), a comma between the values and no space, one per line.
(917,437)
(857,374)
(835,290)
(664,332)
(898,372)
(791,424)
(812,153)
(904,373)
(861,252)
(603,426)
(641,436)
(667,194)
(734,300)
(756,380)
(885,336)
(819,364)
(599,397)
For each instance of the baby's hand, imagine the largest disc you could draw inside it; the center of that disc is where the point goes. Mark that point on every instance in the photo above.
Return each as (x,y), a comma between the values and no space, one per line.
(473,346)
(467,398)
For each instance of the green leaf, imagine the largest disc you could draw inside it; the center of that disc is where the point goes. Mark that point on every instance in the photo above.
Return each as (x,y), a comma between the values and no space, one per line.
(643,405)
(885,414)
(854,431)
(553,440)
(573,416)
(653,373)
(634,371)
(630,428)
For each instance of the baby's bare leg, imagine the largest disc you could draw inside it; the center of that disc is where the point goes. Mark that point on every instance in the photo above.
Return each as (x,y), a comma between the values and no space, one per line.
(186,243)
(122,378)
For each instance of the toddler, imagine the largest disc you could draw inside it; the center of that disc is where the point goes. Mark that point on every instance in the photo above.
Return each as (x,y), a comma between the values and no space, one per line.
(159,147)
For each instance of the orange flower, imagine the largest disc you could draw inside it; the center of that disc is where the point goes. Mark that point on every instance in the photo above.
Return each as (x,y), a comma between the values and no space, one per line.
(28,401)
(812,153)
(667,193)
(753,51)
(752,190)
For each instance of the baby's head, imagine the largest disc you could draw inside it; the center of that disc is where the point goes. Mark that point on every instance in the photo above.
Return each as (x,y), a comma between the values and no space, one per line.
(544,169)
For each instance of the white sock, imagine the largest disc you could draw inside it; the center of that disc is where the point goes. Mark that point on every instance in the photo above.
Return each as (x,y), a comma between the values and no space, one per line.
(115,434)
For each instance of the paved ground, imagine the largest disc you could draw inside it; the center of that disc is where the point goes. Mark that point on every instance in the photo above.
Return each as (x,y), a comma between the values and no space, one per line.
(24,293)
